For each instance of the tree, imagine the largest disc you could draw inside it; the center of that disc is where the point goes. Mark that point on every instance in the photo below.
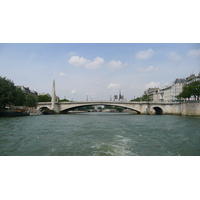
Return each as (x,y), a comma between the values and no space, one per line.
(7,92)
(192,89)
(44,98)
(63,100)
(145,97)
(119,109)
(31,100)
(20,97)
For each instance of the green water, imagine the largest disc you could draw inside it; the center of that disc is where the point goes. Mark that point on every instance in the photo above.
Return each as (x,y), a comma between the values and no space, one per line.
(100,134)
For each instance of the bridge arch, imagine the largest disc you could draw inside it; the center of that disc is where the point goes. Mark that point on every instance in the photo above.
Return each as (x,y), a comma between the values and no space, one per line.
(64,110)
(42,107)
(158,110)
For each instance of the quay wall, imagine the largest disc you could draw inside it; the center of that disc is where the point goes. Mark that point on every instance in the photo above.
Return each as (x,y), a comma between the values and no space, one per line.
(190,108)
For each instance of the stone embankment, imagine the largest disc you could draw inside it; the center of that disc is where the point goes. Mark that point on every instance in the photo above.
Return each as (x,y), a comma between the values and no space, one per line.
(190,108)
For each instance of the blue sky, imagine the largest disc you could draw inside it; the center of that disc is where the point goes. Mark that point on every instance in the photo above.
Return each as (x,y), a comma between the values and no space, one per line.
(97,69)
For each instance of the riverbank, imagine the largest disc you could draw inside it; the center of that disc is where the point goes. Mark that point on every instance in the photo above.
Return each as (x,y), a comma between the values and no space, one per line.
(13,114)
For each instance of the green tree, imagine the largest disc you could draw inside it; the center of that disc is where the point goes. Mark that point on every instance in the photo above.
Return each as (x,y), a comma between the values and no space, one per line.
(145,97)
(31,100)
(7,92)
(44,98)
(20,97)
(137,99)
(192,89)
(119,109)
(63,100)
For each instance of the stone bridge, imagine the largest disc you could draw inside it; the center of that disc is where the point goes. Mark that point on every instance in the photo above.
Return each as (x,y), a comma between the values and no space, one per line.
(139,107)
(176,108)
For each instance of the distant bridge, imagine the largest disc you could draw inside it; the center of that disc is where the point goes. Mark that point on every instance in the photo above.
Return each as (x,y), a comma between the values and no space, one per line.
(177,108)
(139,107)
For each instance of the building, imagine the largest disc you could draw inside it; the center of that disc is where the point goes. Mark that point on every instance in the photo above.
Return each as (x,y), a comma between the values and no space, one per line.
(170,93)
(177,88)
(27,90)
(151,93)
(119,97)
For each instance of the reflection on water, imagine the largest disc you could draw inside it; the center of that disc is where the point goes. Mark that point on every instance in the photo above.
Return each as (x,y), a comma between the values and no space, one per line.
(100,134)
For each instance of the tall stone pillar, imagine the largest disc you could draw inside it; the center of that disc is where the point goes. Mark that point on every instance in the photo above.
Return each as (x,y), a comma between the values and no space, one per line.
(53,98)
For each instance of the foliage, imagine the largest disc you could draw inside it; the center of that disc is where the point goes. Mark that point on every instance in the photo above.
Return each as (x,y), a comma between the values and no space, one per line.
(86,108)
(109,107)
(44,98)
(119,109)
(63,100)
(31,100)
(7,92)
(20,97)
(192,89)
(145,97)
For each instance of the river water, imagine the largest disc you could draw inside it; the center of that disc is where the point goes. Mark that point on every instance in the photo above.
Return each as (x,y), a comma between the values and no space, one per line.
(100,134)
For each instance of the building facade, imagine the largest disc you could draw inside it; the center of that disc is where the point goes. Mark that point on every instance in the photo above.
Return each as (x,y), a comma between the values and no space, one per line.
(170,93)
(27,90)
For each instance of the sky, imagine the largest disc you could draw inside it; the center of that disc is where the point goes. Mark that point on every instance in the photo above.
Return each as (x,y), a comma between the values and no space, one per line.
(97,70)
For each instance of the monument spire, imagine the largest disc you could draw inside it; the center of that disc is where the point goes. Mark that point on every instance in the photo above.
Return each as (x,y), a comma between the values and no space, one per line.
(53,98)
(119,94)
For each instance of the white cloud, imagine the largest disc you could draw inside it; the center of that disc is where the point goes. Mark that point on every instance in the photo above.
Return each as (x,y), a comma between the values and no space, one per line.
(73,92)
(144,54)
(148,69)
(78,61)
(152,85)
(95,64)
(174,56)
(114,64)
(113,85)
(194,53)
(62,74)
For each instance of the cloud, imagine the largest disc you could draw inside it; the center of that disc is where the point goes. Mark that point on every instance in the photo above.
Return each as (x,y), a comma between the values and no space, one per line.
(174,56)
(113,85)
(95,64)
(80,61)
(114,64)
(77,61)
(148,69)
(73,92)
(144,54)
(62,74)
(152,85)
(194,53)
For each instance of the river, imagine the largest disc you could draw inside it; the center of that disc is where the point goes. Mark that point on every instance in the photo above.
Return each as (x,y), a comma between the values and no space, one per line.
(100,134)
